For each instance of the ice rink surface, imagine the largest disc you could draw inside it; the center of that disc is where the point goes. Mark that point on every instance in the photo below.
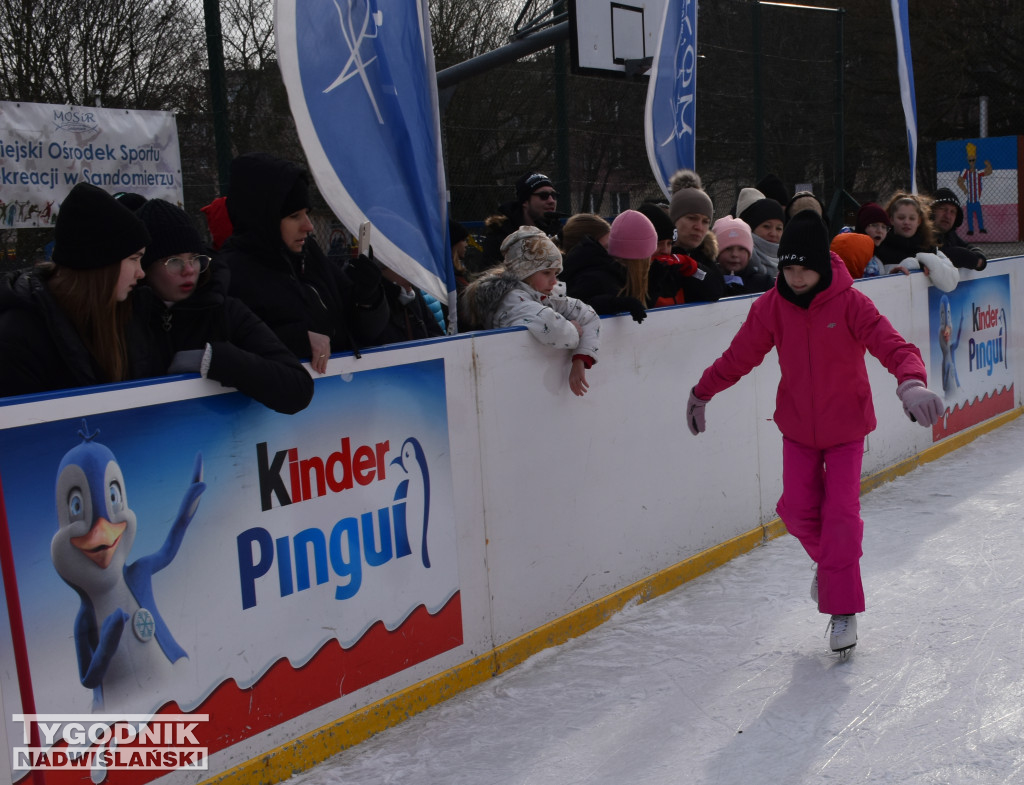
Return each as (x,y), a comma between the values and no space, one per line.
(728,680)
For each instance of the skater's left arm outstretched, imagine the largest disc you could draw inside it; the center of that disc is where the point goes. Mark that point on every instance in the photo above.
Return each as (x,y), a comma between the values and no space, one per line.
(901,358)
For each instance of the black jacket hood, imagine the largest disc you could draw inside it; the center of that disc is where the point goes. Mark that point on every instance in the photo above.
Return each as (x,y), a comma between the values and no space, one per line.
(259,183)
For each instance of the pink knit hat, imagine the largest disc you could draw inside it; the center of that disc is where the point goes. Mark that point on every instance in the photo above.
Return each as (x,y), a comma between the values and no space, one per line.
(633,236)
(731,231)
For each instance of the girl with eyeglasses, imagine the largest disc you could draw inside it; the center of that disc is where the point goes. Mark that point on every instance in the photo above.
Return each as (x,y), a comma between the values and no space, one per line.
(199,329)
(64,323)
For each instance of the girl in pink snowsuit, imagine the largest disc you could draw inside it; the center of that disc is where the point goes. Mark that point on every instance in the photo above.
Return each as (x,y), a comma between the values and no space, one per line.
(820,325)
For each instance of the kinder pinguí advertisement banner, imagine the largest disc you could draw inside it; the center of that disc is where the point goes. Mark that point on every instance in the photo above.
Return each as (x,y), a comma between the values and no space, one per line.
(47,149)
(970,358)
(212,556)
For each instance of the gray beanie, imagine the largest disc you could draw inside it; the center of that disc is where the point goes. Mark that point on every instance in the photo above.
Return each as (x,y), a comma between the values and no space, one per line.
(688,201)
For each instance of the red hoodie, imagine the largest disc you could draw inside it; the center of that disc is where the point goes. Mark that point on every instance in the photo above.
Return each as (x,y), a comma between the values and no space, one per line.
(217,219)
(824,396)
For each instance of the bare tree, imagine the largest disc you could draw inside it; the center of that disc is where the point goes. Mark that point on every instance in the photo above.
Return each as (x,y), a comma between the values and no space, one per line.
(130,53)
(258,102)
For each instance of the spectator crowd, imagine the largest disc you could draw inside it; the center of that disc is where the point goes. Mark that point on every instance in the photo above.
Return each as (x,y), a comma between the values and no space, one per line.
(133,290)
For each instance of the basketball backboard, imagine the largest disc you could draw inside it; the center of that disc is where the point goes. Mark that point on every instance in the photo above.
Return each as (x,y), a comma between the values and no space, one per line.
(611,37)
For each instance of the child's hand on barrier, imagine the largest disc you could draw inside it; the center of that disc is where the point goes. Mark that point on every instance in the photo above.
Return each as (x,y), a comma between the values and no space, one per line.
(578,377)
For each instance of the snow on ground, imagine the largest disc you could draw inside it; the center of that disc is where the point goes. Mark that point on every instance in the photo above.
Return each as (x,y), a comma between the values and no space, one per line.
(728,680)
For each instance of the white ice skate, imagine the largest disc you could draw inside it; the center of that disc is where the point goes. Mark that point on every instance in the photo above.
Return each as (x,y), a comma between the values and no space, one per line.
(843,636)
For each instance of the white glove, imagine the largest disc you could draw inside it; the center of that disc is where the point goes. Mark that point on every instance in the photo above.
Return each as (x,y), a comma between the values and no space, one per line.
(921,404)
(695,414)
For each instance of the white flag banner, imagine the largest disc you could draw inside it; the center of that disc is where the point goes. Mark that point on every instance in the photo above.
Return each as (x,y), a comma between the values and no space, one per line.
(906,75)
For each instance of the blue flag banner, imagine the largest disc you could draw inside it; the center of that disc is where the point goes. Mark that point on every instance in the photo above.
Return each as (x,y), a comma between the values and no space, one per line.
(362,88)
(672,93)
(906,75)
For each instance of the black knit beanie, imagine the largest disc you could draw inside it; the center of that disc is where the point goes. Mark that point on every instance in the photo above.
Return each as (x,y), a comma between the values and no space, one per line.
(763,210)
(297,197)
(131,200)
(170,229)
(530,182)
(662,223)
(457,232)
(773,188)
(94,230)
(946,196)
(805,242)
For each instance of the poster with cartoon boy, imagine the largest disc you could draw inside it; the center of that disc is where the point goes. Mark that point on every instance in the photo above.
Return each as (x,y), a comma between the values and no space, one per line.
(970,183)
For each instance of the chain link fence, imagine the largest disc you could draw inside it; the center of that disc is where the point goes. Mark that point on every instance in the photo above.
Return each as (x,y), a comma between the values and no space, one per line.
(775,94)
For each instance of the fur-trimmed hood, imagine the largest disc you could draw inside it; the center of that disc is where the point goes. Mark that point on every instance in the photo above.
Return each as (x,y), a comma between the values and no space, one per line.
(480,299)
(707,251)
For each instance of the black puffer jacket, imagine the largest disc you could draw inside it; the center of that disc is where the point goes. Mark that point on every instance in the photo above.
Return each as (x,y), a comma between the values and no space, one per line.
(245,352)
(895,248)
(294,294)
(707,285)
(502,224)
(410,321)
(40,349)
(750,281)
(592,275)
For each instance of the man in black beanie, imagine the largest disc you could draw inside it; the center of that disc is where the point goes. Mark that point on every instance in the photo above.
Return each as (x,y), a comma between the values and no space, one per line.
(947,216)
(805,262)
(535,204)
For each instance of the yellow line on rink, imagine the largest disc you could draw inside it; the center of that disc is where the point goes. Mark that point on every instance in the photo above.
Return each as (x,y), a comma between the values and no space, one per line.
(312,748)
(937,451)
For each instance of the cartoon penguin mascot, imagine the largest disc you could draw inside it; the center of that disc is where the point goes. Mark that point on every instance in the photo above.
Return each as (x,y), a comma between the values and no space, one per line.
(90,552)
(412,459)
(950,378)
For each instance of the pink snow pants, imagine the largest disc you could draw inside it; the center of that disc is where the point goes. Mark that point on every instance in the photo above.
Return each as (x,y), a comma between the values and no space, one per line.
(820,506)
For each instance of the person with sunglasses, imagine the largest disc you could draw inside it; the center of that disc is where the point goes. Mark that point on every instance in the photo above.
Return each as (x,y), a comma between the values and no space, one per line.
(535,204)
(199,328)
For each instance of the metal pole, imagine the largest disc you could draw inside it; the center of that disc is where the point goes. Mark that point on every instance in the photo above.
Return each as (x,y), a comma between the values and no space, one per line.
(840,192)
(218,91)
(759,166)
(562,181)
(506,54)
(836,213)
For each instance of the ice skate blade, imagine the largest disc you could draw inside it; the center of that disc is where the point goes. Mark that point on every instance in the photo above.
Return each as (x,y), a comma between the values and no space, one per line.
(844,654)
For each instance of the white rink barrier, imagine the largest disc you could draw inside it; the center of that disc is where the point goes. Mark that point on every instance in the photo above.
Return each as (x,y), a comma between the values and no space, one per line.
(442,510)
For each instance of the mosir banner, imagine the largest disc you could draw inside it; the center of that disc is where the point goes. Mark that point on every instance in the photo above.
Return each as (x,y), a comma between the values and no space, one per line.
(45,150)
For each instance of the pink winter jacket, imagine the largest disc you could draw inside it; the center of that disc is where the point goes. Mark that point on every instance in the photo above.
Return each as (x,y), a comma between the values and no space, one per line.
(824,397)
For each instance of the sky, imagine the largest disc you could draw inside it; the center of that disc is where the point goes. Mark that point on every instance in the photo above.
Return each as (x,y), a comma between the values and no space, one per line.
(728,680)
